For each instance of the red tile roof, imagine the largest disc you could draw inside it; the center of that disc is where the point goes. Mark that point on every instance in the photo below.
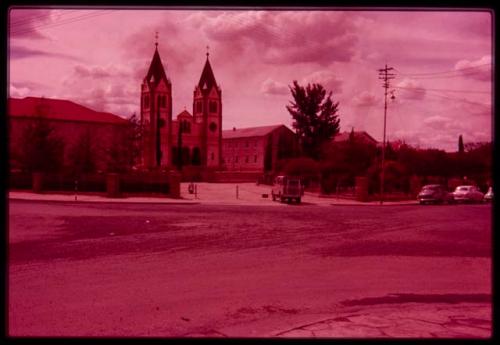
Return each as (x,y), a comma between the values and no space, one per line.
(249,132)
(58,109)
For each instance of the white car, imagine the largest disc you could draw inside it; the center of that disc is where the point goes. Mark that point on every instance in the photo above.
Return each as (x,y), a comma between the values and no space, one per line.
(467,194)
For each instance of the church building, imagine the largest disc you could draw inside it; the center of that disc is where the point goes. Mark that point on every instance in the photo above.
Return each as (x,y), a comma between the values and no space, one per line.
(195,138)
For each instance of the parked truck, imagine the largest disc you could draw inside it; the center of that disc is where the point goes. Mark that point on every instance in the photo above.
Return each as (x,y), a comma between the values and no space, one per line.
(287,188)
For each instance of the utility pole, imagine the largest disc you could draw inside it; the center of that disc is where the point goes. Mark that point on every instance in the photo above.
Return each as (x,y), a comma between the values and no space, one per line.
(386,76)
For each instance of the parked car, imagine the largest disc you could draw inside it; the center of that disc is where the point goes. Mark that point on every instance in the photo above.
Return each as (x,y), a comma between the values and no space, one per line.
(468,194)
(489,195)
(286,188)
(434,193)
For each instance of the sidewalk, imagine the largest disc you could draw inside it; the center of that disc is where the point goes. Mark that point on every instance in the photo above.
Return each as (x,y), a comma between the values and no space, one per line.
(207,193)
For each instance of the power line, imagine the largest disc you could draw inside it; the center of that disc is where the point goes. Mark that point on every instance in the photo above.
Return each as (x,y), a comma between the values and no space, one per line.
(444,90)
(28,19)
(64,22)
(445,97)
(443,72)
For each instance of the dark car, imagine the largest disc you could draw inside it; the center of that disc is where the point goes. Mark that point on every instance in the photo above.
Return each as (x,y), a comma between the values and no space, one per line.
(434,193)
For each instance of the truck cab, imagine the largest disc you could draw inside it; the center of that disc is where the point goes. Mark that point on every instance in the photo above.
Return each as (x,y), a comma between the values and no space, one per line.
(287,188)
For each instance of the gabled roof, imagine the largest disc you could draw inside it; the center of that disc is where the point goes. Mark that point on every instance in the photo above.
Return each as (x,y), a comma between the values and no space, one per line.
(156,71)
(184,113)
(207,79)
(250,132)
(358,135)
(58,109)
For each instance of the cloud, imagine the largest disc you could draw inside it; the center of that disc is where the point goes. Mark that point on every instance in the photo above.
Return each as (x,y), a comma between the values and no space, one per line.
(437,122)
(479,69)
(17,52)
(365,99)
(25,23)
(285,37)
(326,78)
(19,92)
(99,72)
(411,89)
(271,87)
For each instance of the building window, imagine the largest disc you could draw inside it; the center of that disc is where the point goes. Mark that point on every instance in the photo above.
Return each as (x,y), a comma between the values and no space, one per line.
(164,101)
(213,107)
(146,101)
(246,159)
(212,156)
(246,143)
(199,107)
(212,126)
(236,159)
(255,159)
(185,126)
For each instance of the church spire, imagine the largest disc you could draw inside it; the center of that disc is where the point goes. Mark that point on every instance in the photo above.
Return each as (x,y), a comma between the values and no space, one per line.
(207,79)
(156,71)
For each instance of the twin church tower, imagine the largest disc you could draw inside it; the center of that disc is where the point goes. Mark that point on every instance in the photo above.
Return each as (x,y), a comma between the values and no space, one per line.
(195,138)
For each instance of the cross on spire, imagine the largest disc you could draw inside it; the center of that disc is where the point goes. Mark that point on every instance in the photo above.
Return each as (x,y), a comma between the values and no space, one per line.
(207,51)
(156,37)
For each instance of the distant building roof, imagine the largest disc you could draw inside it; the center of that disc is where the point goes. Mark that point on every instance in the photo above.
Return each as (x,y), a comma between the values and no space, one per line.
(249,132)
(58,109)
(358,135)
(184,113)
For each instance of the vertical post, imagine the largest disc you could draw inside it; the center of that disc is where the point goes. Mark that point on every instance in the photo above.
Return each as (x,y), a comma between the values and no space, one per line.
(76,190)
(385,76)
(237,191)
(196,191)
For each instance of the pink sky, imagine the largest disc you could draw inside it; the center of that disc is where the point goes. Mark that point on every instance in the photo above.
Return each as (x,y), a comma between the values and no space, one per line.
(98,58)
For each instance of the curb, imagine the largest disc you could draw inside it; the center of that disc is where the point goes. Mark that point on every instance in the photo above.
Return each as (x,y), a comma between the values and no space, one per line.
(104,201)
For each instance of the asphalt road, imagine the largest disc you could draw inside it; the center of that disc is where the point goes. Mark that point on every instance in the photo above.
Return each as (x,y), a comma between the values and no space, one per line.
(174,270)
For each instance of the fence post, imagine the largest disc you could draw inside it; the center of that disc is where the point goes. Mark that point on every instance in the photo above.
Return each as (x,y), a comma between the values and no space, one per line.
(196,191)
(237,191)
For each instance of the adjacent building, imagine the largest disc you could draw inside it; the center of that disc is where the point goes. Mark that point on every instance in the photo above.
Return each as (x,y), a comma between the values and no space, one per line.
(71,122)
(257,149)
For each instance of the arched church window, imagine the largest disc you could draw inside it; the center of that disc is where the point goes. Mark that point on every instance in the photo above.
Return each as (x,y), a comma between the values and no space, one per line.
(196,156)
(164,101)
(212,126)
(161,122)
(146,101)
(213,106)
(199,107)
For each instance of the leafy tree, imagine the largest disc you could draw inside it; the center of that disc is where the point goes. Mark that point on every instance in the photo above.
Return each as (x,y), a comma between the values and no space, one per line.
(82,155)
(125,149)
(133,139)
(41,150)
(315,116)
